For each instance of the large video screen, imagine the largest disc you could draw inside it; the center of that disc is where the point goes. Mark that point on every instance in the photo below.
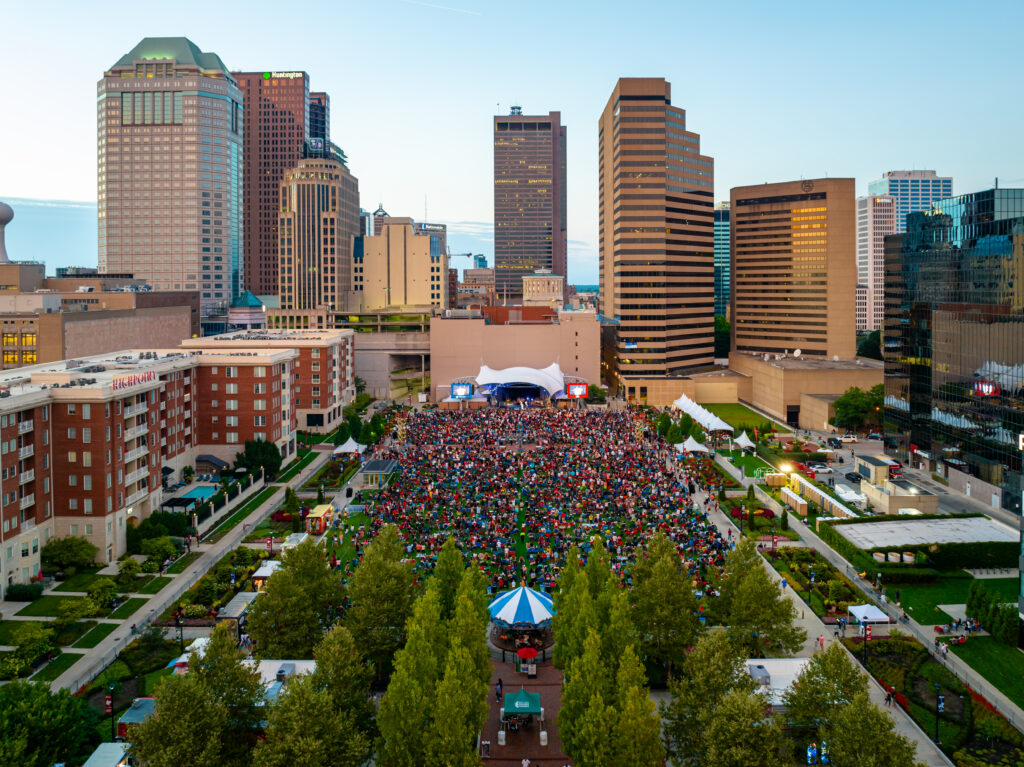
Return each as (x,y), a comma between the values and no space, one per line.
(462,390)
(577,390)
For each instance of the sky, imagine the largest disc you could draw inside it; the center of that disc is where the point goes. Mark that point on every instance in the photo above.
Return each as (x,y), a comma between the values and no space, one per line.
(776,91)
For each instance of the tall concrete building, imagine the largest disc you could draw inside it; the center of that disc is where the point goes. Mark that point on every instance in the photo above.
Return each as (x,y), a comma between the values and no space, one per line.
(876,219)
(656,223)
(169,170)
(400,267)
(914,190)
(529,198)
(318,213)
(794,267)
(722,259)
(277,125)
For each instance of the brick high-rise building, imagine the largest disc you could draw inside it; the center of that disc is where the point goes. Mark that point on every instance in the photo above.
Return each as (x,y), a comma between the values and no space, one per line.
(794,267)
(169,170)
(277,125)
(656,222)
(529,198)
(318,212)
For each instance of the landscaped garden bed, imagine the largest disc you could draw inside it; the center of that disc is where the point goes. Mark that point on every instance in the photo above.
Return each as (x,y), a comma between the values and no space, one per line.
(214,590)
(825,590)
(333,476)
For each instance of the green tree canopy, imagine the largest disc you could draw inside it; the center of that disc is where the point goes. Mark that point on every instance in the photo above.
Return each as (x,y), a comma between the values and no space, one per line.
(637,729)
(188,726)
(39,728)
(740,735)
(857,407)
(827,682)
(448,572)
(298,603)
(865,735)
(586,678)
(871,345)
(259,454)
(71,551)
(343,674)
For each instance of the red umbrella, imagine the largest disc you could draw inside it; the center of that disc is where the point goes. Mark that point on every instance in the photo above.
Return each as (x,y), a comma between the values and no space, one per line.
(526,653)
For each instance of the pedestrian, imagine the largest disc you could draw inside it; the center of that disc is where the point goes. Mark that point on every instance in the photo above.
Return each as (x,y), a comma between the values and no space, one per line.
(835,632)
(497,692)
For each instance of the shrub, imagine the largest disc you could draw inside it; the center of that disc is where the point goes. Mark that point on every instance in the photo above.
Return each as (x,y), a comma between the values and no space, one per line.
(196,611)
(69,551)
(129,569)
(150,566)
(159,548)
(24,592)
(103,591)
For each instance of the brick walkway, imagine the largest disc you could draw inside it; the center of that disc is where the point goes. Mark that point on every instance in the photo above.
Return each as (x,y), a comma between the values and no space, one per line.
(526,742)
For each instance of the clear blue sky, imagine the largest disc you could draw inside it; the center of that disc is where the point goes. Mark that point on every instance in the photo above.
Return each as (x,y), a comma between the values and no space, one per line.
(777,91)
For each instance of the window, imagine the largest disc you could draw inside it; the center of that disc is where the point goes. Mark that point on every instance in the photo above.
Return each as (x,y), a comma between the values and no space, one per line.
(88,529)
(259,420)
(213,387)
(231,404)
(231,388)
(231,372)
(72,456)
(72,433)
(85,410)
(86,435)
(74,529)
(87,481)
(232,436)
(259,404)
(72,503)
(72,480)
(86,458)
(71,408)
(87,506)
(260,388)
(259,371)
(231,420)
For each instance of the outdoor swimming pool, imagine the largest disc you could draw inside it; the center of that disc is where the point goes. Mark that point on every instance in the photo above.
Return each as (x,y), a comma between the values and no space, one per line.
(202,492)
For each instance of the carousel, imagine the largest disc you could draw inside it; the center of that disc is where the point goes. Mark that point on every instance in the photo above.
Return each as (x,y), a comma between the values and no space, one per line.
(522,622)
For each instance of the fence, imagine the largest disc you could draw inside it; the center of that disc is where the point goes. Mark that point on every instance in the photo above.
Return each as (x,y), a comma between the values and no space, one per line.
(219,515)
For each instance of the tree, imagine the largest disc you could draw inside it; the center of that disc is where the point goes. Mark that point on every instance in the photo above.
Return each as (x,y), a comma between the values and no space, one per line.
(71,551)
(864,735)
(380,592)
(761,620)
(637,728)
(291,502)
(711,670)
(236,686)
(566,608)
(187,473)
(674,435)
(740,735)
(664,423)
(343,675)
(592,745)
(159,549)
(103,591)
(828,682)
(257,455)
(341,434)
(39,728)
(856,407)
(871,345)
(664,607)
(303,728)
(460,712)
(596,395)
(187,727)
(585,678)
(70,611)
(722,336)
(360,385)
(320,498)
(298,603)
(448,572)
(468,628)
(128,571)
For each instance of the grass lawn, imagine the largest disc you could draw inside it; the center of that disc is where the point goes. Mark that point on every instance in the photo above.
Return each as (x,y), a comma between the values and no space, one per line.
(154,585)
(181,564)
(297,465)
(1001,665)
(153,679)
(749,463)
(46,606)
(268,527)
(100,632)
(78,582)
(345,550)
(921,600)
(741,417)
(236,517)
(56,667)
(128,608)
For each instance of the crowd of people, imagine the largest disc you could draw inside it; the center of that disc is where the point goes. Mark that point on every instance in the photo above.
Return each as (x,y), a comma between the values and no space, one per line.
(518,488)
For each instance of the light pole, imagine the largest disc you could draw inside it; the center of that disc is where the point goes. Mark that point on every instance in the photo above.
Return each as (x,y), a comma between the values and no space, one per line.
(180,623)
(113,730)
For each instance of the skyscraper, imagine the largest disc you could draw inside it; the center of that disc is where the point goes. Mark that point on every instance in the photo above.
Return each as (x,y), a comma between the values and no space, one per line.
(876,219)
(914,190)
(954,344)
(722,259)
(276,128)
(656,223)
(319,218)
(529,198)
(794,269)
(320,117)
(169,170)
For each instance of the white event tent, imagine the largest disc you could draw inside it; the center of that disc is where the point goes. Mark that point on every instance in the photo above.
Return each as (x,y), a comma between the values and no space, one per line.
(708,420)
(351,446)
(744,441)
(691,446)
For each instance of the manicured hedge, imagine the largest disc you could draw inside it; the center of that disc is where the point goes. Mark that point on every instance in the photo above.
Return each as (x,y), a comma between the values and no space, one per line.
(24,592)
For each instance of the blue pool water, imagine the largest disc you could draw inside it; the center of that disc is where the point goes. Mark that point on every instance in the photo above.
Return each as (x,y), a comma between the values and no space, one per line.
(203,491)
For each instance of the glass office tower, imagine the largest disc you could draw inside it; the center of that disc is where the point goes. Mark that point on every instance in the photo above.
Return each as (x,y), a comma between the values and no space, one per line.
(954,343)
(914,190)
(722,259)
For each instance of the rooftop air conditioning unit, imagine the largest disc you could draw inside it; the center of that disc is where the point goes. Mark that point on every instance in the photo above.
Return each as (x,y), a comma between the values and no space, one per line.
(760,674)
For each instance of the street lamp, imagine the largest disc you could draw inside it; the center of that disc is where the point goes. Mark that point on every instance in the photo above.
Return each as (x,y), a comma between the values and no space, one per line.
(110,696)
(180,623)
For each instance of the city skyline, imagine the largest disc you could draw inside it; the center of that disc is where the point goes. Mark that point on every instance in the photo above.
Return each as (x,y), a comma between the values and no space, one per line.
(402,168)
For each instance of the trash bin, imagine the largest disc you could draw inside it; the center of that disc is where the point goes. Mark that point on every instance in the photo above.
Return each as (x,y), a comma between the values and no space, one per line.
(543,737)
(501,737)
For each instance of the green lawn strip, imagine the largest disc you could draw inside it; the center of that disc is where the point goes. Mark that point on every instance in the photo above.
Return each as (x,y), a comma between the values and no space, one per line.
(128,608)
(346,550)
(921,600)
(100,632)
(78,582)
(236,517)
(46,606)
(296,466)
(1001,665)
(154,585)
(268,527)
(742,418)
(749,463)
(153,678)
(313,485)
(181,564)
(56,667)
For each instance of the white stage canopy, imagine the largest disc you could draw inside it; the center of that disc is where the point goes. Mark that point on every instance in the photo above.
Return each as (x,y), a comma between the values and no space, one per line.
(550,378)
(691,446)
(744,441)
(351,446)
(705,418)
(868,614)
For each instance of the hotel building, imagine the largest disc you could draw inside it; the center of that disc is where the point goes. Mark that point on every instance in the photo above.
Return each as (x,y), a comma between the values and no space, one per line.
(876,219)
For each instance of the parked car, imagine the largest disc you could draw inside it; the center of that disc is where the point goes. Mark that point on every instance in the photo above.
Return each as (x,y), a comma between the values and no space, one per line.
(834,443)
(820,468)
(854,477)
(848,438)
(875,435)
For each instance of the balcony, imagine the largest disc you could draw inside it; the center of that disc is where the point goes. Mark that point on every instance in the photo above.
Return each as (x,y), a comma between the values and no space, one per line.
(26,452)
(163,423)
(27,501)
(163,442)
(26,476)
(138,452)
(136,475)
(136,497)
(136,431)
(25,426)
(140,407)
(163,404)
